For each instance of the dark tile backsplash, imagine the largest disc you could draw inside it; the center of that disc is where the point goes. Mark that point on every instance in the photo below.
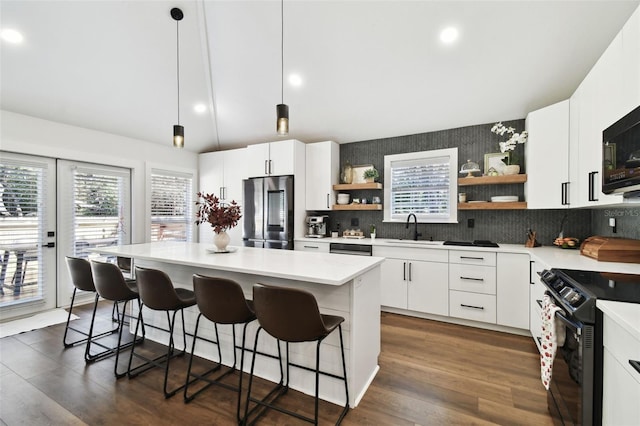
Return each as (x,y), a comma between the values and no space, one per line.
(506,226)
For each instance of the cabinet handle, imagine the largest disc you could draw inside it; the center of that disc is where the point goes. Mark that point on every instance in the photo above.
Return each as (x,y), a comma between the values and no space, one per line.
(313,247)
(635,365)
(328,201)
(564,196)
(539,302)
(472,279)
(472,258)
(409,271)
(531,262)
(270,169)
(404,271)
(266,171)
(472,307)
(592,186)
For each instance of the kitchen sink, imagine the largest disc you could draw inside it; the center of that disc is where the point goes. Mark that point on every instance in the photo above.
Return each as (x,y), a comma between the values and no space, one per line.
(414,242)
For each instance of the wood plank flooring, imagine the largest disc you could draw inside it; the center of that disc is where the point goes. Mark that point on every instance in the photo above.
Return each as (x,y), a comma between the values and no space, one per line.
(431,373)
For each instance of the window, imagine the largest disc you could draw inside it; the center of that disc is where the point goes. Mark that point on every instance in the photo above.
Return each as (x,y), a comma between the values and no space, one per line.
(423,183)
(171,206)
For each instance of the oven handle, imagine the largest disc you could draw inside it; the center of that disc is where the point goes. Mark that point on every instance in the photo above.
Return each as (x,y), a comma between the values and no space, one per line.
(577,327)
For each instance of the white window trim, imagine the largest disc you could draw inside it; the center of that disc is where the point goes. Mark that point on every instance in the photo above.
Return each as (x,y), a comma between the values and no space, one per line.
(150,167)
(452,153)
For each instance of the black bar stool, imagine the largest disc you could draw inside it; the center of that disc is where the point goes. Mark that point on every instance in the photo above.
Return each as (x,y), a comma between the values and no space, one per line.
(157,293)
(292,315)
(111,285)
(221,301)
(82,279)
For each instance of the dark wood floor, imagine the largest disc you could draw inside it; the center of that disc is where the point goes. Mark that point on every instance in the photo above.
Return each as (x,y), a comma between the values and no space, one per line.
(431,373)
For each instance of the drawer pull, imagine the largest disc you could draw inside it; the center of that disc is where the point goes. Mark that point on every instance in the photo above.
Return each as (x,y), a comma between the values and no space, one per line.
(635,365)
(472,258)
(472,279)
(313,247)
(472,307)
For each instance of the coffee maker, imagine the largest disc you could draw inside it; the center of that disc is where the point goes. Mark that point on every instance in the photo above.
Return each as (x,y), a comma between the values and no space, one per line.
(317,226)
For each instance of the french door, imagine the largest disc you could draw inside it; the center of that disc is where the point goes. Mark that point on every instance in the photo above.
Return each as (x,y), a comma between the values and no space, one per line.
(27,235)
(50,209)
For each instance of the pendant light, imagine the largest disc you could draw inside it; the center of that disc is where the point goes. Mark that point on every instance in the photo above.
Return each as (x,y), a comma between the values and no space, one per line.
(178,130)
(282,110)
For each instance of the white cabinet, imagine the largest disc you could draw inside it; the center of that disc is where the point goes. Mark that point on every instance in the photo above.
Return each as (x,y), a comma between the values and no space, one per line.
(414,279)
(631,63)
(621,382)
(315,246)
(275,158)
(547,155)
(512,302)
(322,169)
(221,173)
(472,285)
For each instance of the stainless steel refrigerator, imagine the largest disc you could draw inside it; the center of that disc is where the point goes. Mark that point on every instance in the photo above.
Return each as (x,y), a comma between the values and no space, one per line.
(268,212)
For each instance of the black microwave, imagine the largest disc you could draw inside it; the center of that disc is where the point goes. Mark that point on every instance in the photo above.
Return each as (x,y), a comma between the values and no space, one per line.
(621,155)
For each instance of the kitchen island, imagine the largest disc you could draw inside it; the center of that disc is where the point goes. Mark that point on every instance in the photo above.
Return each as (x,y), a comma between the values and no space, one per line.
(344,285)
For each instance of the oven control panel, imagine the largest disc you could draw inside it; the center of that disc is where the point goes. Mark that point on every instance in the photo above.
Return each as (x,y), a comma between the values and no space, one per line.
(569,294)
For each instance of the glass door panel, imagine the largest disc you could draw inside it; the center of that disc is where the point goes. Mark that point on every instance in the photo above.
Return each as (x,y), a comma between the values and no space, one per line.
(27,235)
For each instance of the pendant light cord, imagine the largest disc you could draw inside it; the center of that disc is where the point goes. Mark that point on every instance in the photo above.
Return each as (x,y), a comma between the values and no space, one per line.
(282,50)
(178,64)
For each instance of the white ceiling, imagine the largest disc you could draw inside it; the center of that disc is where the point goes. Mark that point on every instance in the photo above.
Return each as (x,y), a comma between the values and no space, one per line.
(371,69)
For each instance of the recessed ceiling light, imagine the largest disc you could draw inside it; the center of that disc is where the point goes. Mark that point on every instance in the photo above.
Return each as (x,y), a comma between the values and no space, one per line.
(200,108)
(295,80)
(11,36)
(449,35)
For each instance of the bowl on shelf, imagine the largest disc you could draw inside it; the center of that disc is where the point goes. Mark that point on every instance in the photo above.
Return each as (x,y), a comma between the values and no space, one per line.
(343,199)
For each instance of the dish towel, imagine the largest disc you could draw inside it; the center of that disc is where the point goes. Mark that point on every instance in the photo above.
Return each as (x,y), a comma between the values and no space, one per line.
(552,337)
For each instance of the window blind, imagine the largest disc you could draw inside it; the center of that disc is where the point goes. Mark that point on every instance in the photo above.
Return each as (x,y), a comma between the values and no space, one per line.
(171,206)
(22,219)
(422,183)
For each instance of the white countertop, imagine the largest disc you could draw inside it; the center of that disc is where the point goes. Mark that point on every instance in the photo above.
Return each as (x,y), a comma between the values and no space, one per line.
(550,256)
(625,314)
(332,269)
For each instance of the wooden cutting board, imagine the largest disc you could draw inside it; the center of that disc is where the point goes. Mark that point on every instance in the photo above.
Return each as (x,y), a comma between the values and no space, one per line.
(610,249)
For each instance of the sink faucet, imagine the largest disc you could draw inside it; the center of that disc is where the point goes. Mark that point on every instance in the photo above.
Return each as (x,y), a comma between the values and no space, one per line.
(415,229)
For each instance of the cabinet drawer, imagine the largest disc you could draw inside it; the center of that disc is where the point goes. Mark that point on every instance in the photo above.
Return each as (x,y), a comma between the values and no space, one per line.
(308,246)
(477,279)
(472,257)
(473,306)
(622,345)
(411,253)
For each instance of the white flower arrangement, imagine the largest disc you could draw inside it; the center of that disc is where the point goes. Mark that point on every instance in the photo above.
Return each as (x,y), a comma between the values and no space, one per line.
(514,139)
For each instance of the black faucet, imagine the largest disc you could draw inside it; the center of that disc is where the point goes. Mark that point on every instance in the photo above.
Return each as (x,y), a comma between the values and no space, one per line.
(415,229)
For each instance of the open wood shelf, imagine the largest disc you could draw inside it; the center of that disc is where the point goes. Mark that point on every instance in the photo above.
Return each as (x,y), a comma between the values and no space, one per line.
(357,207)
(354,186)
(492,180)
(515,205)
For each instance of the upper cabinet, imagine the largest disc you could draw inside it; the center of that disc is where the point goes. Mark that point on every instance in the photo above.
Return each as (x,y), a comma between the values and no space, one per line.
(275,158)
(608,92)
(322,169)
(547,154)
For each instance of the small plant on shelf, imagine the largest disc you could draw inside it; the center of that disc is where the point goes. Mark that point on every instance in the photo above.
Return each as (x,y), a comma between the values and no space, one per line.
(370,175)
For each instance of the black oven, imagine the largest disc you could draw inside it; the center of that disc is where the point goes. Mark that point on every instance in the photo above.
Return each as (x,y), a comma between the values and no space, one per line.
(575,392)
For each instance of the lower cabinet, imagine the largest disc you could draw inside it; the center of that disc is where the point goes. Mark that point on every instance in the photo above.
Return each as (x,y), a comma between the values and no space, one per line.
(417,285)
(536,292)
(472,285)
(472,306)
(513,290)
(621,382)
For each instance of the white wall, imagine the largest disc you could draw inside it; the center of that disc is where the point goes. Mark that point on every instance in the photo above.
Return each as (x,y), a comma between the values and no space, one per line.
(29,135)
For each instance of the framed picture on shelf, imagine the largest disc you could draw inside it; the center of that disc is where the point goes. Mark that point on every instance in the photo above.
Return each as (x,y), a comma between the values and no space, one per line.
(358,172)
(495,160)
